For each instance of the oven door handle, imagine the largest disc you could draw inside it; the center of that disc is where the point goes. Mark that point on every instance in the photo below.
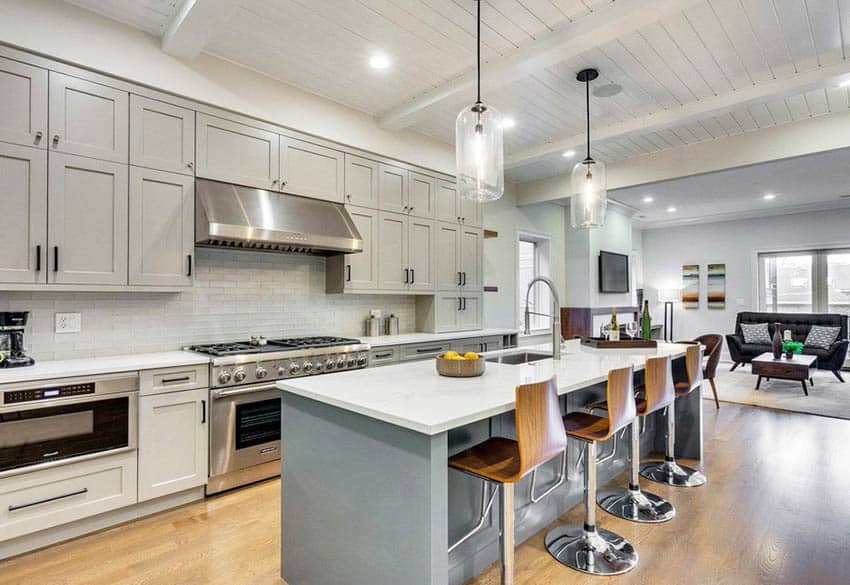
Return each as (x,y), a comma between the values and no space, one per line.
(219,394)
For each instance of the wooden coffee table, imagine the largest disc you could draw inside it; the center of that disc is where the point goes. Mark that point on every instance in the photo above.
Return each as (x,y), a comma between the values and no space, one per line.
(797,368)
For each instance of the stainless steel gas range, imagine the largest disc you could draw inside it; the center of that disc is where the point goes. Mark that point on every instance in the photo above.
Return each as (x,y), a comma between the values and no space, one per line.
(245,404)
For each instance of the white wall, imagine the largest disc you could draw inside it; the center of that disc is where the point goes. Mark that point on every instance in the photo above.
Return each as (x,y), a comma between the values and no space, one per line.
(735,243)
(65,32)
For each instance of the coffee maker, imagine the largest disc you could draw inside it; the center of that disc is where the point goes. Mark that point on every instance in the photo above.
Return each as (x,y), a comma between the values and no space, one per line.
(12,339)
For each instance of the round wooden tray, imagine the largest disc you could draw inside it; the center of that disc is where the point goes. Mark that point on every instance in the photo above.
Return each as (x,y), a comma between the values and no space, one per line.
(460,368)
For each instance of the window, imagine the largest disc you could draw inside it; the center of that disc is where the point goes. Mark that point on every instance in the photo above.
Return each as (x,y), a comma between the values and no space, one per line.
(533,261)
(814,281)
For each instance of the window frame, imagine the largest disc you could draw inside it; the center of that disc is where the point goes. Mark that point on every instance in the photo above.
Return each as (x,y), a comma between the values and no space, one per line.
(820,274)
(540,295)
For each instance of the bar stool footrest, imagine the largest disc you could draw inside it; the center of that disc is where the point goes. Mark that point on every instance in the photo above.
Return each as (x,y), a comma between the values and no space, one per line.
(636,505)
(597,552)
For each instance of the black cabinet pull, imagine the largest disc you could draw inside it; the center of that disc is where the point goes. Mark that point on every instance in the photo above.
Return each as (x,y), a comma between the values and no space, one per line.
(203,411)
(428,349)
(406,276)
(348,273)
(38,258)
(175,380)
(48,500)
(459,303)
(464,278)
(412,276)
(463,303)
(459,278)
(383,356)
(189,270)
(55,258)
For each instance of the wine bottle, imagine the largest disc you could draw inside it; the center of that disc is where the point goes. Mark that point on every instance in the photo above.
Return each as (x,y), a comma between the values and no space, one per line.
(645,322)
(614,334)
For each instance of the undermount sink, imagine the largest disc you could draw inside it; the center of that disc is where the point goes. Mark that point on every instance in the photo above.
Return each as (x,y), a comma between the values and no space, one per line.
(519,358)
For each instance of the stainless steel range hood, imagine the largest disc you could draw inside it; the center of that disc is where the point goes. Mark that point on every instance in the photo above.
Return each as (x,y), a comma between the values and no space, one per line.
(232,216)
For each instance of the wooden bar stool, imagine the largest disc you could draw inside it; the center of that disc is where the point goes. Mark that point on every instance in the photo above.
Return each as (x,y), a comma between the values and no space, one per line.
(587,548)
(668,471)
(501,461)
(632,503)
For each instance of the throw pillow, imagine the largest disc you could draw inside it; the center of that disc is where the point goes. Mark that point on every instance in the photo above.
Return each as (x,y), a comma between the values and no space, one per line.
(822,337)
(755,333)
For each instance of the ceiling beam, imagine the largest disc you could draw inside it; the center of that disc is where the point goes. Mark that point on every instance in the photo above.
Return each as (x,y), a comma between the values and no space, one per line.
(601,26)
(826,76)
(192,24)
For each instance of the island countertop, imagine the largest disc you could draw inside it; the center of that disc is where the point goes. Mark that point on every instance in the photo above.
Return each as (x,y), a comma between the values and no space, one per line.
(413,396)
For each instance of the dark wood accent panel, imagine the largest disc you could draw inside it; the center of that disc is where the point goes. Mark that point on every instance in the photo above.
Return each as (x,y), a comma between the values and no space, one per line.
(578,321)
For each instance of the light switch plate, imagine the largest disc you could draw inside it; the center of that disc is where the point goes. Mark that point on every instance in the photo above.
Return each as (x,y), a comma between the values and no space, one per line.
(69,323)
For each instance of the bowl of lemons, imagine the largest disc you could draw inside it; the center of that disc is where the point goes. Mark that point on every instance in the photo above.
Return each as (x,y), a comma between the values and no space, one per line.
(457,365)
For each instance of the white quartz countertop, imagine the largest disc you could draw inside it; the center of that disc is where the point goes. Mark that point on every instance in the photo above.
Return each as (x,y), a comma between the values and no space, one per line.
(412,395)
(100,365)
(406,338)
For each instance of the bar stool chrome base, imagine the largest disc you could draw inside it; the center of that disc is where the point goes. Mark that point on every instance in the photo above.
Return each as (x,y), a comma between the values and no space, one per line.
(597,552)
(636,505)
(671,473)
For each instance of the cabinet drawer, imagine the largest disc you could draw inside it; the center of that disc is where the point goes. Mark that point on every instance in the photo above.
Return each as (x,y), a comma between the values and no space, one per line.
(423,351)
(382,356)
(493,342)
(43,499)
(173,379)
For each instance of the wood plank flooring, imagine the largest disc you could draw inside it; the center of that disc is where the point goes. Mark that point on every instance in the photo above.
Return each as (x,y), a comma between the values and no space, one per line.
(775,511)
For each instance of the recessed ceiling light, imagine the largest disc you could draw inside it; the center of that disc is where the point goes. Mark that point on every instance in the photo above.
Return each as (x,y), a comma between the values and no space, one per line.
(508,123)
(568,153)
(379,61)
(671,210)
(648,199)
(845,83)
(770,197)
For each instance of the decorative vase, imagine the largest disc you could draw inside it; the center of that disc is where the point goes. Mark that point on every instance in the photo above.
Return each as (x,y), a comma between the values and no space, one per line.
(789,355)
(777,342)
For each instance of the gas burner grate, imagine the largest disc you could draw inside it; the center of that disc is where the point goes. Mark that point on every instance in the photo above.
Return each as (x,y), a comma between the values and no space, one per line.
(312,342)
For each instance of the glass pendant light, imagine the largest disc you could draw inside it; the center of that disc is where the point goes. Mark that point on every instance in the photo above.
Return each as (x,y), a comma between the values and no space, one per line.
(589,194)
(478,145)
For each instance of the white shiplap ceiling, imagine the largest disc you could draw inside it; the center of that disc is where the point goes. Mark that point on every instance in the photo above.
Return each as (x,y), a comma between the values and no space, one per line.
(696,66)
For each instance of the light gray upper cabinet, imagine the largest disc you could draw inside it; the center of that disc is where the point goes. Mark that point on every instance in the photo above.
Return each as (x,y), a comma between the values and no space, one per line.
(88,119)
(446,249)
(446,208)
(361,181)
(162,136)
(162,228)
(421,254)
(236,153)
(422,195)
(469,316)
(392,188)
(311,170)
(87,221)
(393,272)
(470,258)
(361,270)
(470,212)
(23,115)
(23,214)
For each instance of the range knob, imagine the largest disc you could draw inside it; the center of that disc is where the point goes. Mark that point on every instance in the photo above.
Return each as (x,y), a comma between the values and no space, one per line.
(330,364)
(261,372)
(239,375)
(361,361)
(294,369)
(340,363)
(281,371)
(307,367)
(318,367)
(224,376)
(352,362)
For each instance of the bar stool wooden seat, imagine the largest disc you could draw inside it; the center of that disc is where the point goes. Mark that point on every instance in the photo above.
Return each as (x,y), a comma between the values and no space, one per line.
(503,462)
(587,548)
(632,503)
(668,471)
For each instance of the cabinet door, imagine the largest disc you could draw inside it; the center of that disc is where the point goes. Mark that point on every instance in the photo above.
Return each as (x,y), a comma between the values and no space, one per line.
(87,221)
(469,316)
(361,181)
(448,312)
(311,170)
(88,119)
(447,256)
(23,214)
(162,227)
(236,153)
(392,239)
(23,117)
(422,195)
(421,254)
(392,188)
(361,270)
(162,136)
(470,212)
(471,258)
(173,442)
(446,207)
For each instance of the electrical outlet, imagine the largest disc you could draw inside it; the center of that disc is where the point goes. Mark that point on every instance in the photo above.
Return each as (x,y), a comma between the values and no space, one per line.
(376,313)
(69,323)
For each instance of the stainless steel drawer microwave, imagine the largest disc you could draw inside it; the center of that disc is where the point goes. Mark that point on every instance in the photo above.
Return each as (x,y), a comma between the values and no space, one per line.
(56,421)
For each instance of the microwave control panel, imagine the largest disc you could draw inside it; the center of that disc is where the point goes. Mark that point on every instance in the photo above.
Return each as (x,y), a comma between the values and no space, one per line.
(16,396)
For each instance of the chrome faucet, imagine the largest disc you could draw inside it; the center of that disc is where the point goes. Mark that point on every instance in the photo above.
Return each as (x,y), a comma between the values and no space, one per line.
(555,316)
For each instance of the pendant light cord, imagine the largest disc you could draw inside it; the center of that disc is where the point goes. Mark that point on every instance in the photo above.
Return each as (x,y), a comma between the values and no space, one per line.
(587,104)
(478,52)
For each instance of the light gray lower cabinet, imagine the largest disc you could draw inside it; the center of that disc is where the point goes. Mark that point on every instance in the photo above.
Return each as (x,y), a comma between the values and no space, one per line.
(23,214)
(311,170)
(23,117)
(162,136)
(162,227)
(236,153)
(87,221)
(382,356)
(173,442)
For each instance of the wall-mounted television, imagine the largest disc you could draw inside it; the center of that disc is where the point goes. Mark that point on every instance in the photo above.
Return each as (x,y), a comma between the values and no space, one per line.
(613,272)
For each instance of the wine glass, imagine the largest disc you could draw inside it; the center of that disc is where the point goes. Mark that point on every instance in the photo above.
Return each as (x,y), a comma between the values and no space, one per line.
(632,329)
(606,331)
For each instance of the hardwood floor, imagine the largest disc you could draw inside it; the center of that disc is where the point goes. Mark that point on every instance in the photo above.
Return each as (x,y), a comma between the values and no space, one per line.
(774,511)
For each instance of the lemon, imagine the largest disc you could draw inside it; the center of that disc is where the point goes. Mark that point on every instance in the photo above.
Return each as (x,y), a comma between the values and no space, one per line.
(451,355)
(470,355)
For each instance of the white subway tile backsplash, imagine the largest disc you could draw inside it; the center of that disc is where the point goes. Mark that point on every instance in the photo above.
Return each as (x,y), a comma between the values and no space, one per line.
(235,295)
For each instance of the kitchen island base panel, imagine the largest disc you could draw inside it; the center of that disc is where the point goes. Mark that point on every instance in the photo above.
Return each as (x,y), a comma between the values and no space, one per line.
(363,501)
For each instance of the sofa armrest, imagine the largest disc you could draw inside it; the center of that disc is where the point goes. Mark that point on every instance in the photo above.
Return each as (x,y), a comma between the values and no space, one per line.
(837,355)
(734,343)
